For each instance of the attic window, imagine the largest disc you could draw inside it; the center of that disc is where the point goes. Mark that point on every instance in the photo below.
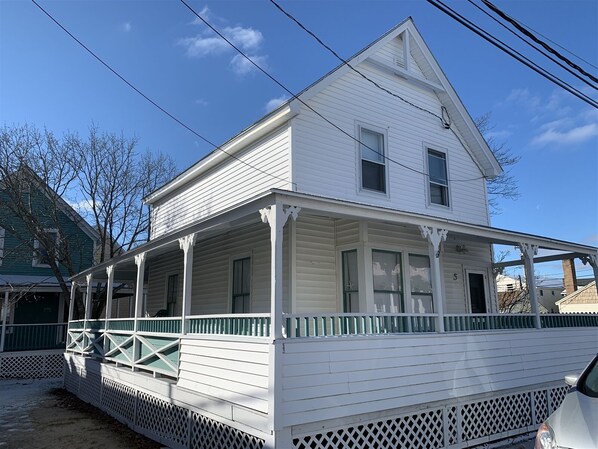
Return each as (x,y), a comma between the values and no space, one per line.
(41,255)
(373,160)
(437,172)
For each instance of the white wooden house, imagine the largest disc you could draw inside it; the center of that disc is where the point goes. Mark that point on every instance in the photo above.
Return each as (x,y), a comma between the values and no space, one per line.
(329,288)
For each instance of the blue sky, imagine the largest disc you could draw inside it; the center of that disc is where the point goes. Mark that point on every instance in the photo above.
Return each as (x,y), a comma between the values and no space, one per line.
(46,79)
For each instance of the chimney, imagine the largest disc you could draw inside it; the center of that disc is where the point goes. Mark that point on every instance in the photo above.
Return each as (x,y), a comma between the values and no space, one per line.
(569,277)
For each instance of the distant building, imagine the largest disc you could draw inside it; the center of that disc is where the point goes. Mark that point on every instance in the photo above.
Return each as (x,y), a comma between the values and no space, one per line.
(583,300)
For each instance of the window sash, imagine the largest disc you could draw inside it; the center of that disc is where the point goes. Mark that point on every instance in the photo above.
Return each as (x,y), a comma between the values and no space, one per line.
(387,272)
(373,162)
(437,172)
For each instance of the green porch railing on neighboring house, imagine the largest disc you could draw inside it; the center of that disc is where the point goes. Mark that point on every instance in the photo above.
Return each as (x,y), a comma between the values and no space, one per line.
(311,325)
(569,320)
(477,322)
(121,324)
(31,337)
(159,325)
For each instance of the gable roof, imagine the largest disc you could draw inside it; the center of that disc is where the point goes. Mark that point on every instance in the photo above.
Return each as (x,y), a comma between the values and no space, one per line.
(585,295)
(435,80)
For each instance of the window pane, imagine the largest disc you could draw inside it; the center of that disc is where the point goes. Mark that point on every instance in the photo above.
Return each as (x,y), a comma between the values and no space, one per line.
(372,176)
(387,302)
(437,167)
(350,282)
(386,267)
(420,274)
(375,142)
(438,194)
(422,303)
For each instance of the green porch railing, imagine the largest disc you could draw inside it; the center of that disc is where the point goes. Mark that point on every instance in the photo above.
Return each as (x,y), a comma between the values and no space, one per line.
(238,324)
(119,324)
(476,322)
(330,325)
(77,324)
(569,320)
(159,325)
(31,337)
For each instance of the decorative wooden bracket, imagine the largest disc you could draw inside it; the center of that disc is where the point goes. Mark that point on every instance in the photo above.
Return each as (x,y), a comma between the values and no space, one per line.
(288,211)
(591,259)
(435,236)
(185,243)
(528,250)
(139,259)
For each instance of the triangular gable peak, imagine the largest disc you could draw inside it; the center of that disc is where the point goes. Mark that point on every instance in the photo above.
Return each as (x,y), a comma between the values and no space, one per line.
(402,52)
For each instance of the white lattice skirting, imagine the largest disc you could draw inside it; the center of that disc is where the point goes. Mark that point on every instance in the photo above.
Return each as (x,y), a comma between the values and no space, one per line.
(451,426)
(32,364)
(170,424)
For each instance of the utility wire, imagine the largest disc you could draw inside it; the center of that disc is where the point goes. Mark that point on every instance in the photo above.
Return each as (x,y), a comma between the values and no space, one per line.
(576,75)
(188,128)
(521,28)
(511,52)
(296,97)
(345,62)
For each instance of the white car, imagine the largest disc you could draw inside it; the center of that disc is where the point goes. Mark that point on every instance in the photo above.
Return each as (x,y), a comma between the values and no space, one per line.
(574,425)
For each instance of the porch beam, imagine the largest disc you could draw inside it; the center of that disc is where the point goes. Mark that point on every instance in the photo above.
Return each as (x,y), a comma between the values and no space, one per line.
(519,262)
(528,251)
(435,238)
(186,244)
(109,293)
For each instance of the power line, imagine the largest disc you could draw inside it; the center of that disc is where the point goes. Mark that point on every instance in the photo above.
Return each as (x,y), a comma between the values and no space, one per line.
(521,28)
(345,62)
(576,75)
(512,52)
(156,105)
(296,97)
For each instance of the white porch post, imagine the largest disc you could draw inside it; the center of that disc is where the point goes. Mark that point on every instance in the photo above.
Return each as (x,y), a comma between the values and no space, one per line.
(186,244)
(592,259)
(4,318)
(435,238)
(528,251)
(140,262)
(88,295)
(276,217)
(72,301)
(109,293)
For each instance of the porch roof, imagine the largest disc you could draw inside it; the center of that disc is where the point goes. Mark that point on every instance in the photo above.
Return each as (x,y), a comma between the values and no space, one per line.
(247,212)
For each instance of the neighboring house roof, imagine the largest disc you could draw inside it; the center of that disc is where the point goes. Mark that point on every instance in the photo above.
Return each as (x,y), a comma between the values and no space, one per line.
(585,295)
(434,78)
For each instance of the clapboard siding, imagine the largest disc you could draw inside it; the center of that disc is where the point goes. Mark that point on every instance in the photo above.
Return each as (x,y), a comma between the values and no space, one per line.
(212,269)
(315,265)
(333,378)
(350,100)
(235,371)
(226,185)
(159,268)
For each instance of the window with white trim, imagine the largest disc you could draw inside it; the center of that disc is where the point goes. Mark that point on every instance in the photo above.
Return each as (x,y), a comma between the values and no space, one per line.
(172,286)
(437,172)
(241,288)
(41,255)
(373,160)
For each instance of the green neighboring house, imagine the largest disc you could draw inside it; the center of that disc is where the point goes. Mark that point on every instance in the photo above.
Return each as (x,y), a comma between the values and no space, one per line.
(34,295)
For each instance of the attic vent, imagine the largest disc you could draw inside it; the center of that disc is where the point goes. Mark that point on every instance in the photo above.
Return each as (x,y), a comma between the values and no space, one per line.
(399,62)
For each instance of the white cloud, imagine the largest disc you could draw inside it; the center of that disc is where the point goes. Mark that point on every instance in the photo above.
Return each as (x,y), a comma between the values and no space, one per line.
(127,27)
(275,102)
(201,102)
(207,43)
(241,66)
(572,136)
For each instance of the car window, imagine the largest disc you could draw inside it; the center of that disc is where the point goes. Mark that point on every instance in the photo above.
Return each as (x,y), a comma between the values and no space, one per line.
(588,383)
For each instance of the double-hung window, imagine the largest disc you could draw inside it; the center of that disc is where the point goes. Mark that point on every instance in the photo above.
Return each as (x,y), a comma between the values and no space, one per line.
(171,294)
(388,288)
(420,280)
(437,172)
(373,160)
(241,285)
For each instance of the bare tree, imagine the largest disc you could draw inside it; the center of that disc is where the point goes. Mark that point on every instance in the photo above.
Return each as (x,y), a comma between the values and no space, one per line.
(105,172)
(505,185)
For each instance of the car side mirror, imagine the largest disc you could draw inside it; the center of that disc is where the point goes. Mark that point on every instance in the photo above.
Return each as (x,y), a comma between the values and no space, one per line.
(571,379)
